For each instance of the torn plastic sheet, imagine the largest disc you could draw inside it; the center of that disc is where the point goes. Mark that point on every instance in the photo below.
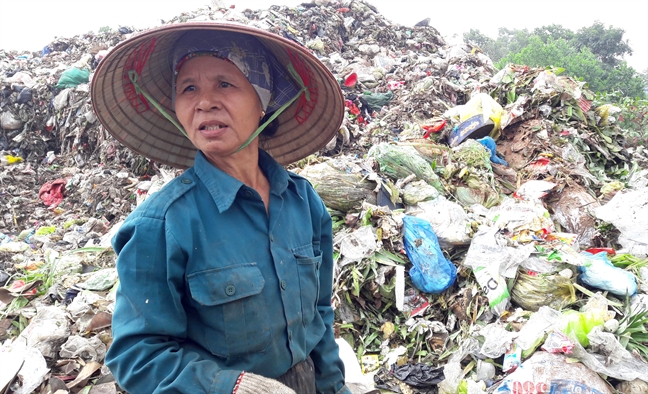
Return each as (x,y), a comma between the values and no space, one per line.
(448,219)
(491,263)
(552,373)
(355,246)
(33,368)
(47,330)
(89,349)
(516,215)
(541,322)
(609,357)
(497,340)
(452,371)
(628,212)
(418,375)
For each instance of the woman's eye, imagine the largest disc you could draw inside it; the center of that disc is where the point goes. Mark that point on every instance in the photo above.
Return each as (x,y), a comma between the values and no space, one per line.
(189,88)
(225,84)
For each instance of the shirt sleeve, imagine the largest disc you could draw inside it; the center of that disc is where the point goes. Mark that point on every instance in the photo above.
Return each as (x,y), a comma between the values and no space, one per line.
(150,352)
(329,368)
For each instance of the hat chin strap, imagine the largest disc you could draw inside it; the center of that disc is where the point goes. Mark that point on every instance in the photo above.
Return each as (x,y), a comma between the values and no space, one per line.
(304,89)
(132,75)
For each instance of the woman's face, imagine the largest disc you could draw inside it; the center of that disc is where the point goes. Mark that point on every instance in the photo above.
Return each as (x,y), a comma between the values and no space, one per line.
(217,106)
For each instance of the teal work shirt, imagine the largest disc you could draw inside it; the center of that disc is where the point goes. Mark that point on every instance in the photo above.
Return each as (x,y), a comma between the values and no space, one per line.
(212,285)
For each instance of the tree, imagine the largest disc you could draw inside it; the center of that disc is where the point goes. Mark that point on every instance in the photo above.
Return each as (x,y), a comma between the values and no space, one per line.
(579,63)
(553,31)
(559,53)
(626,80)
(607,44)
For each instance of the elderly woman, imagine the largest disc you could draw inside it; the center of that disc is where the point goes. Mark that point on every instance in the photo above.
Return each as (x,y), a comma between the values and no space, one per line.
(226,273)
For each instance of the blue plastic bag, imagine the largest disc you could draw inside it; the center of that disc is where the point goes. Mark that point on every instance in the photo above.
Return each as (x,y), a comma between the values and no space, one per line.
(602,274)
(489,144)
(432,272)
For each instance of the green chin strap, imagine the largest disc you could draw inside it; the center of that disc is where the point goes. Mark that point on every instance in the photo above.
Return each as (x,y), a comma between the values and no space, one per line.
(132,75)
(278,112)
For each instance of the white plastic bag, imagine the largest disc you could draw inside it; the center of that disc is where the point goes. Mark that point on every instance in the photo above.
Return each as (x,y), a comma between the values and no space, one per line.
(449,221)
(552,373)
(628,212)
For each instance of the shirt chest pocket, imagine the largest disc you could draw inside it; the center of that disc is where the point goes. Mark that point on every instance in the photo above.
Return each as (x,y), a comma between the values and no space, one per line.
(232,308)
(309,259)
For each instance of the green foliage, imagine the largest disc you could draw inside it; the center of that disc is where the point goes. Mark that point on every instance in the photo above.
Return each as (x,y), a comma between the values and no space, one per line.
(607,44)
(592,54)
(633,330)
(554,32)
(579,63)
(625,80)
(104,29)
(559,53)
(633,118)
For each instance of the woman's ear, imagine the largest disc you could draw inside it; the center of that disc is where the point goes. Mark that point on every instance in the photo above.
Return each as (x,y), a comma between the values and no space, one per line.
(270,129)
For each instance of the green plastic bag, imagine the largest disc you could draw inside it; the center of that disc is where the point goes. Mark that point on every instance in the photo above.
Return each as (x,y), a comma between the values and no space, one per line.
(377,100)
(399,161)
(579,324)
(73,77)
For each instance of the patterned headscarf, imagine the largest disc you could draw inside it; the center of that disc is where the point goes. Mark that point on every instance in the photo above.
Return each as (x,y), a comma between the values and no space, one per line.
(270,80)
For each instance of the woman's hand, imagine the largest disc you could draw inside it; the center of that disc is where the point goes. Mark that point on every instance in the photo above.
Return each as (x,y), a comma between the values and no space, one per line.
(249,383)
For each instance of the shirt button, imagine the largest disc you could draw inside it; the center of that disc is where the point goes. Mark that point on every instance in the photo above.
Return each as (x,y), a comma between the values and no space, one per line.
(271,238)
(230,290)
(283,285)
(290,335)
(248,193)
(186,181)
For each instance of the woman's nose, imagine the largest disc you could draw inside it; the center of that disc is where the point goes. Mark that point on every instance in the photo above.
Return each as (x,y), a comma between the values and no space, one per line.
(209,99)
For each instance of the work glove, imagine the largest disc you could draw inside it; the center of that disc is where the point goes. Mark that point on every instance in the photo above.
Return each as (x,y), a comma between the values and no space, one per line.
(249,383)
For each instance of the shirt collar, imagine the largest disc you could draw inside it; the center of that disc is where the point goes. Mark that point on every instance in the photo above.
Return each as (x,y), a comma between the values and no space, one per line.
(224,187)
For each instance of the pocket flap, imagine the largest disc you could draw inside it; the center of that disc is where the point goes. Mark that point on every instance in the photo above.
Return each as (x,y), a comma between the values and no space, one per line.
(222,285)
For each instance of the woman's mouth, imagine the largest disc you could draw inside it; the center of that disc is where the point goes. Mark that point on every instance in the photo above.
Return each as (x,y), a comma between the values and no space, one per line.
(212,127)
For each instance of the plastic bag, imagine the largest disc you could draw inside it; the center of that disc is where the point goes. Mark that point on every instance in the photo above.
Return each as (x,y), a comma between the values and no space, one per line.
(73,77)
(360,244)
(628,212)
(398,161)
(532,290)
(377,100)
(609,357)
(482,104)
(418,375)
(417,191)
(432,272)
(491,262)
(489,143)
(600,273)
(552,373)
(339,190)
(449,221)
(578,324)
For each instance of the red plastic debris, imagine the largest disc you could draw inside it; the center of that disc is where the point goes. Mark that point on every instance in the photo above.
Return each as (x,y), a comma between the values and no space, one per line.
(434,128)
(584,104)
(609,251)
(51,193)
(541,162)
(343,10)
(17,284)
(351,80)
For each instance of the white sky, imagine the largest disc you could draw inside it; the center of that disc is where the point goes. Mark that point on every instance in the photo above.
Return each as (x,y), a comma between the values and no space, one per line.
(32,24)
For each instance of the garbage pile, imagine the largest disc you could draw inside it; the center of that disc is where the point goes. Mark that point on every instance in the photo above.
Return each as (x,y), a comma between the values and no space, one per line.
(490,227)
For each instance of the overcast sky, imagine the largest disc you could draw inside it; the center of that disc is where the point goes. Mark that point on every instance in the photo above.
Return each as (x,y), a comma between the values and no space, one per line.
(32,24)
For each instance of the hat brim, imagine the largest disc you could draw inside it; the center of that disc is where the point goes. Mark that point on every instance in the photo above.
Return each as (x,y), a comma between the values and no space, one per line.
(138,125)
